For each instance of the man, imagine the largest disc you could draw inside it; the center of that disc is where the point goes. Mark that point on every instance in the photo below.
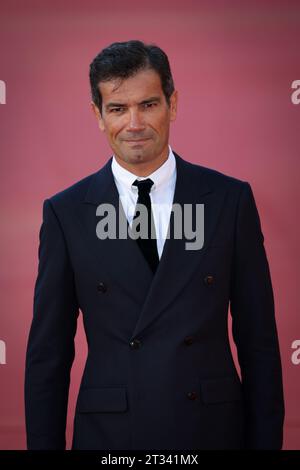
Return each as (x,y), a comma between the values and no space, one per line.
(159,372)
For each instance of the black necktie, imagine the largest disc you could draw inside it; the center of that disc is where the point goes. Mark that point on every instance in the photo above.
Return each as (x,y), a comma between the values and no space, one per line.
(147,245)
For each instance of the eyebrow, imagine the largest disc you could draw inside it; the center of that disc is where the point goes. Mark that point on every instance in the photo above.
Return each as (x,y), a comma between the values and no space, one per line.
(149,100)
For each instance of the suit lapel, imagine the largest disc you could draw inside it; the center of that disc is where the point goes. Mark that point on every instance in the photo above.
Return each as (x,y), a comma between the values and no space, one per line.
(121,259)
(177,264)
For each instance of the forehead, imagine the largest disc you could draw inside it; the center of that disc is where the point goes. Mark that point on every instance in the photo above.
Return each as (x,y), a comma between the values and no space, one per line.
(136,88)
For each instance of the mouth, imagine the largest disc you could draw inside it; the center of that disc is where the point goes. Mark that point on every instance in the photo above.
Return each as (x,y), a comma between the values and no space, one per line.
(136,141)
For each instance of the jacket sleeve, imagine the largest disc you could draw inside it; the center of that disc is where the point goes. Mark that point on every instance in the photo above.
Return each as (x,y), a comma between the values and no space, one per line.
(254,330)
(50,348)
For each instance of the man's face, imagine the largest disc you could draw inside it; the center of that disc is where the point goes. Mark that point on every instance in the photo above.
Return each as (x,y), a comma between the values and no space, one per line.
(136,117)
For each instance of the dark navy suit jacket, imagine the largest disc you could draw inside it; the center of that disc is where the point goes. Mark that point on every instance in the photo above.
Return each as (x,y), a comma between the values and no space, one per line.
(159,372)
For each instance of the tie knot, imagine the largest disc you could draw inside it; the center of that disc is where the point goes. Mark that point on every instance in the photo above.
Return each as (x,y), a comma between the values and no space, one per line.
(144,186)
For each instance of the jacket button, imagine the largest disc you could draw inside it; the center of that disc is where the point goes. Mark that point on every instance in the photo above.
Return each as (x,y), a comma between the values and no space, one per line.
(192,395)
(208,280)
(101,287)
(135,344)
(188,340)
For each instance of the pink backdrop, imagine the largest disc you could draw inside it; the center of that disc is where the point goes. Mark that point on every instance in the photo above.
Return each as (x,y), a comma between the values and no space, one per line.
(233,63)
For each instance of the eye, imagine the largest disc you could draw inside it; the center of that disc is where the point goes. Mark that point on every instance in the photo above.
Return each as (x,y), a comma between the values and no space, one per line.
(117,110)
(150,105)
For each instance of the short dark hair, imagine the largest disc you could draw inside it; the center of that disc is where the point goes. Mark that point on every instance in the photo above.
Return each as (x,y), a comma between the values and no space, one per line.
(123,60)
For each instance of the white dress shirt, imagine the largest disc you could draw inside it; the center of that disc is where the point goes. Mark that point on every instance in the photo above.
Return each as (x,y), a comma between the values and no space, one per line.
(161,194)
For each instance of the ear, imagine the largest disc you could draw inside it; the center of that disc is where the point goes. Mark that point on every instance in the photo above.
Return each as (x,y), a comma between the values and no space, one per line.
(97,113)
(173,105)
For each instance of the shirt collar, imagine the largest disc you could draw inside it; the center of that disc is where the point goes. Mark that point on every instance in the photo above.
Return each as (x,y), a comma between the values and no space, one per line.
(160,176)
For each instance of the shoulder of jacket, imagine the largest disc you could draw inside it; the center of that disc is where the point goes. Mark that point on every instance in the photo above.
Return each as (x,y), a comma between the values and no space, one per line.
(218,179)
(73,193)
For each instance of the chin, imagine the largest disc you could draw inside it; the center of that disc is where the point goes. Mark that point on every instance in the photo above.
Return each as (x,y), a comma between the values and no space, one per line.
(137,157)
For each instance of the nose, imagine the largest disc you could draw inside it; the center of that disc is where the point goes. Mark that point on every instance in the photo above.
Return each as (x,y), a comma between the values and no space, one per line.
(136,122)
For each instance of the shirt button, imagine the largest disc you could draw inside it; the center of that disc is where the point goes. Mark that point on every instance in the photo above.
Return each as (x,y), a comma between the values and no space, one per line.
(188,340)
(101,287)
(135,344)
(192,395)
(208,280)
